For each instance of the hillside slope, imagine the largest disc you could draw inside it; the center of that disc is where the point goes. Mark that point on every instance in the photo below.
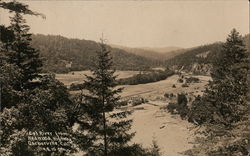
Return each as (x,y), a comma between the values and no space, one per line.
(159,54)
(199,60)
(61,54)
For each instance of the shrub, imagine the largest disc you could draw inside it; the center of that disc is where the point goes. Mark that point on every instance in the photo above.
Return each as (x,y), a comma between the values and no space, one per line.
(181,99)
(167,95)
(123,102)
(173,86)
(154,149)
(137,101)
(199,112)
(192,80)
(180,107)
(74,86)
(185,85)
(180,80)
(172,95)
(136,150)
(171,107)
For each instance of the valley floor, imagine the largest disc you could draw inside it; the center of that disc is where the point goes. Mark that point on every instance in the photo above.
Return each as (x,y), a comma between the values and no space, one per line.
(152,121)
(170,132)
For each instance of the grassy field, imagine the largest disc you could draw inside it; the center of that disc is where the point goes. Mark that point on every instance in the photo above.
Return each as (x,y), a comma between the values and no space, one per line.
(152,121)
(78,76)
(157,89)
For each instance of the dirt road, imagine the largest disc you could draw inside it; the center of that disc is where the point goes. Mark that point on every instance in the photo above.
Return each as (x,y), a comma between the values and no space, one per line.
(170,132)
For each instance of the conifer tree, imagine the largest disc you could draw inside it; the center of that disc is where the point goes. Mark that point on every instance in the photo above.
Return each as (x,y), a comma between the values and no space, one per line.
(45,107)
(223,108)
(227,91)
(106,126)
(225,96)
(21,54)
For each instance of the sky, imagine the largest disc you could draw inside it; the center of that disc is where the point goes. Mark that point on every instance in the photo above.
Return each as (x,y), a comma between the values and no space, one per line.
(140,23)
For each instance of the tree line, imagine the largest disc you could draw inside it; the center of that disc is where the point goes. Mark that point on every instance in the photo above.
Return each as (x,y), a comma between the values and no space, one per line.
(147,77)
(141,78)
(58,52)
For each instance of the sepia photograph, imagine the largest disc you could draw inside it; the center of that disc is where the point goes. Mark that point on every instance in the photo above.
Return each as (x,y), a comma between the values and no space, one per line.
(124,78)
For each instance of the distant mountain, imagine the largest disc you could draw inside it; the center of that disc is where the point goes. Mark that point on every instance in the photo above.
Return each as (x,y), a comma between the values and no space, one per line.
(61,54)
(199,59)
(160,54)
(163,50)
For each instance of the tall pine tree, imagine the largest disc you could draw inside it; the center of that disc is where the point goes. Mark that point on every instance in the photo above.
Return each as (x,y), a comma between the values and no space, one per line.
(21,54)
(223,110)
(224,100)
(105,124)
(45,107)
(228,89)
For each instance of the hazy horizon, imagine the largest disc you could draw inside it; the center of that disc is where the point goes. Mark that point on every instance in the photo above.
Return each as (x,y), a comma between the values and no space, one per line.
(153,24)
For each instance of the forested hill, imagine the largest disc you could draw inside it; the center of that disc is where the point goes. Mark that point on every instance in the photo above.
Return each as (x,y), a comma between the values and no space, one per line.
(153,53)
(61,54)
(198,60)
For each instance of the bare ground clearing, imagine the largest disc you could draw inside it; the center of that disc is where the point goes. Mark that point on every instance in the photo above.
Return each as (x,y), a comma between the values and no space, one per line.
(79,76)
(151,122)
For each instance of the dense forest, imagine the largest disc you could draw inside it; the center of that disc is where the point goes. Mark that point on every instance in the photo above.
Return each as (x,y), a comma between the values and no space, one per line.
(61,54)
(160,54)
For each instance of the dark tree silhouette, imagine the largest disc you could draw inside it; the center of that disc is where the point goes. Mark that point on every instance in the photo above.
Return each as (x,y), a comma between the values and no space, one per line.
(223,109)
(107,126)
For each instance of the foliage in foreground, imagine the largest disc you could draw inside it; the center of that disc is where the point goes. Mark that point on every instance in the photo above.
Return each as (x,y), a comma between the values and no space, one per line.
(45,108)
(29,102)
(106,126)
(223,111)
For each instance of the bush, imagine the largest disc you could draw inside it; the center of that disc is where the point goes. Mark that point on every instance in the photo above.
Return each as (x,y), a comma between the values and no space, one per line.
(154,149)
(171,107)
(185,85)
(180,107)
(181,98)
(123,102)
(166,95)
(169,95)
(138,101)
(192,80)
(180,80)
(199,113)
(172,95)
(173,86)
(136,150)
(74,86)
